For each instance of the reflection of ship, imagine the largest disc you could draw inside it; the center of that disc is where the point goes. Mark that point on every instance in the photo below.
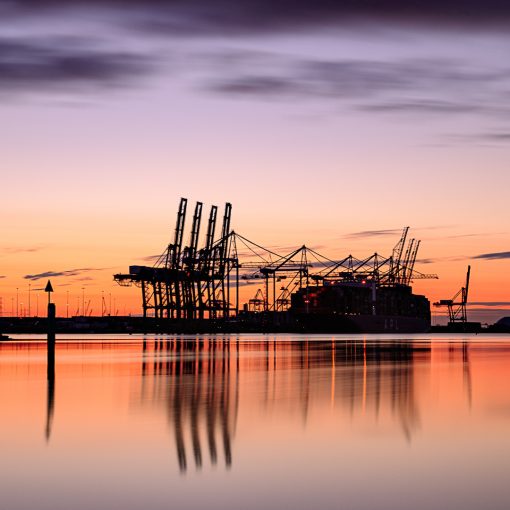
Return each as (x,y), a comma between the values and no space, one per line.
(378,377)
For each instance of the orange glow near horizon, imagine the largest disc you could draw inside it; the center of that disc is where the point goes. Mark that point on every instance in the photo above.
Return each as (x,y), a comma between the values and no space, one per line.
(88,282)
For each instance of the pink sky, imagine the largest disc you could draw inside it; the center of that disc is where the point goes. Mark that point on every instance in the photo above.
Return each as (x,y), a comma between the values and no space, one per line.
(312,134)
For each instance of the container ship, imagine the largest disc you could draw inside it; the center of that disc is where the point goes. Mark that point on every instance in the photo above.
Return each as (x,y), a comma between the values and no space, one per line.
(360,307)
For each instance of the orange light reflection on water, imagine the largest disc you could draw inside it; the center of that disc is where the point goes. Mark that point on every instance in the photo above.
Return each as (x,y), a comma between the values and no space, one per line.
(256,421)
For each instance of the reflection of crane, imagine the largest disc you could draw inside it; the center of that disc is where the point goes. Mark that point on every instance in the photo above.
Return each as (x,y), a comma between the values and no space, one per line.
(457,310)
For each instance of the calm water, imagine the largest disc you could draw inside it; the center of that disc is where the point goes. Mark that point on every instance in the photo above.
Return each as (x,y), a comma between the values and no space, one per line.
(253,421)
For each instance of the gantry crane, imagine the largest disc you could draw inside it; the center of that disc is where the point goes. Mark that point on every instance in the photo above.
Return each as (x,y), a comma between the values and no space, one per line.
(188,283)
(457,306)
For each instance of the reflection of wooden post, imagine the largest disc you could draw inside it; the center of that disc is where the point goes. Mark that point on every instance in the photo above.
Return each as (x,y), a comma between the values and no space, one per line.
(50,406)
(51,368)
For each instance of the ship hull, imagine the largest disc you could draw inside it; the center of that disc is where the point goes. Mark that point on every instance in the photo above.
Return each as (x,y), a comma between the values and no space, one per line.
(362,324)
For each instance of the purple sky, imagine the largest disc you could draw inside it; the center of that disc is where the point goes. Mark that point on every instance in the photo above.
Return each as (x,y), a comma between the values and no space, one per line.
(317,120)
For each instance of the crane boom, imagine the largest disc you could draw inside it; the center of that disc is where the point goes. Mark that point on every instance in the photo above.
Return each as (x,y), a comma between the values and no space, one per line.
(195,231)
(399,247)
(412,261)
(211,227)
(466,291)
(225,231)
(405,264)
(179,231)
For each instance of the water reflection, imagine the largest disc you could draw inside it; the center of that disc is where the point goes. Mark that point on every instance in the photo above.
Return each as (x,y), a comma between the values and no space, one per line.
(198,382)
(200,386)
(365,378)
(50,374)
(312,420)
(466,372)
(50,408)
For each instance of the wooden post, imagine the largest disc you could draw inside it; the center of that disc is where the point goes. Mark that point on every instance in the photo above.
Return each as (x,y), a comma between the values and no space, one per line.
(51,341)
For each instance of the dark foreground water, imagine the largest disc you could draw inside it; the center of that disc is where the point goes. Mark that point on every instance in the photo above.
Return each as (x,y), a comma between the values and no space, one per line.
(245,422)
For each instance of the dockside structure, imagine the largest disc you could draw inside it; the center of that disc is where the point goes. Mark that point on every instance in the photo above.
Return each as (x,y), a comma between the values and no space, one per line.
(191,283)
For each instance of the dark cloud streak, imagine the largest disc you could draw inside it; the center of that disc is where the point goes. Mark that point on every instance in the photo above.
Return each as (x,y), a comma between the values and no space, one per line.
(422,87)
(489,303)
(423,106)
(192,17)
(433,86)
(61,62)
(373,233)
(150,258)
(502,255)
(23,249)
(56,274)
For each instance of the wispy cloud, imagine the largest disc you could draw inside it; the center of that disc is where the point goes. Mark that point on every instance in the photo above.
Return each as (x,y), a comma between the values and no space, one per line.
(193,17)
(434,260)
(373,233)
(489,303)
(427,261)
(120,43)
(150,258)
(2,276)
(488,138)
(495,137)
(502,255)
(423,106)
(12,250)
(437,86)
(56,63)
(460,236)
(58,274)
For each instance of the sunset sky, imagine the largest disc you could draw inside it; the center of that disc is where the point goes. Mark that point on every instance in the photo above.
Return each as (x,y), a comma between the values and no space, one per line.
(324,123)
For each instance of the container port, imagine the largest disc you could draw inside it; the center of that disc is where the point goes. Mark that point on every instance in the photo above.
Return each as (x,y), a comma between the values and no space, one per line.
(192,288)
